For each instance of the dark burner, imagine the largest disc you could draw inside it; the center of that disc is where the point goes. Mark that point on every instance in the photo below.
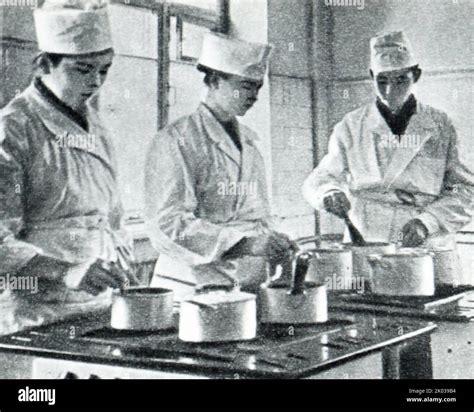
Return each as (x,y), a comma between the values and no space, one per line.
(110,333)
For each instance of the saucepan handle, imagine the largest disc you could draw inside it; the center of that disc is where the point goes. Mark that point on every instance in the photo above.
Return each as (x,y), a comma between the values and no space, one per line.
(301,269)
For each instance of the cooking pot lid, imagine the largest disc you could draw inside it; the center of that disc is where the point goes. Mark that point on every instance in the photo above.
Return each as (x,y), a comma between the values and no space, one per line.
(221,297)
(141,291)
(368,244)
(330,249)
(408,254)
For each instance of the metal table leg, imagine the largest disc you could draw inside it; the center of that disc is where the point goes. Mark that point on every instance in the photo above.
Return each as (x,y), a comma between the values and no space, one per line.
(391,362)
(411,360)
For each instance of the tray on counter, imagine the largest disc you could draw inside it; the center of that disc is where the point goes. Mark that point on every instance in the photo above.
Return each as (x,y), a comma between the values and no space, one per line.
(448,303)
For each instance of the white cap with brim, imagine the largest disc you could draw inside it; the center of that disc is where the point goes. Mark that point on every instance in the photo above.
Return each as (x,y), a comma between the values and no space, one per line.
(73,27)
(391,51)
(236,57)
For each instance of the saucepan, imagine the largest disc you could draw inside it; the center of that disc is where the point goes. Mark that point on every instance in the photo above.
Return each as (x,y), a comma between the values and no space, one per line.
(361,267)
(142,308)
(218,313)
(331,261)
(344,260)
(446,266)
(407,272)
(297,303)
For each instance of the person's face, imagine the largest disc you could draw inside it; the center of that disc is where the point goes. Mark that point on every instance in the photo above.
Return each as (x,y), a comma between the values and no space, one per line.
(237,96)
(394,87)
(77,79)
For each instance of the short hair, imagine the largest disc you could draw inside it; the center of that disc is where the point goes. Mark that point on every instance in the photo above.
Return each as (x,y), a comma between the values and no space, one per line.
(414,69)
(416,72)
(210,75)
(44,59)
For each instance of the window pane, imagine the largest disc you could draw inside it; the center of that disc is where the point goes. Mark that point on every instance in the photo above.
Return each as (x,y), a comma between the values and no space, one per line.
(185,40)
(191,41)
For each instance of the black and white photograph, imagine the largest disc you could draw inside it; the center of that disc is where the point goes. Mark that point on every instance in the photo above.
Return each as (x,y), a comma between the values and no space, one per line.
(195,191)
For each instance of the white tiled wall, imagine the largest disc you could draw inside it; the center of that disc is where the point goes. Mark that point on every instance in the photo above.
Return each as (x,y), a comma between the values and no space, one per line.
(288,32)
(292,153)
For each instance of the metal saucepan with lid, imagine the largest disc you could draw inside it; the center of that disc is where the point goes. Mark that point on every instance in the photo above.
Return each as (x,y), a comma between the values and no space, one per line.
(299,302)
(333,261)
(407,272)
(346,261)
(218,313)
(142,308)
(360,264)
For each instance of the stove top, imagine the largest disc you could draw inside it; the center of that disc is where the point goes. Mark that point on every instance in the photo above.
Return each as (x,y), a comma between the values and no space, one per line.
(283,351)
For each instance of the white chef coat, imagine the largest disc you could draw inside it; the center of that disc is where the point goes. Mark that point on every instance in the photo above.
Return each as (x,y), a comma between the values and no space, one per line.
(202,197)
(363,161)
(58,198)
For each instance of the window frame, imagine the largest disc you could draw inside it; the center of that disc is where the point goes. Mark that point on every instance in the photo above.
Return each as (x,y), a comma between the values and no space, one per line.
(218,20)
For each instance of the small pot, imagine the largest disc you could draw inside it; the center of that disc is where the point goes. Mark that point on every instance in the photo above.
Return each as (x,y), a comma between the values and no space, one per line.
(360,265)
(404,273)
(446,266)
(302,302)
(330,262)
(218,314)
(142,309)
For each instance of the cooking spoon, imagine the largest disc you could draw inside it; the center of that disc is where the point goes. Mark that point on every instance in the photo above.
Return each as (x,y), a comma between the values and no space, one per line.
(356,236)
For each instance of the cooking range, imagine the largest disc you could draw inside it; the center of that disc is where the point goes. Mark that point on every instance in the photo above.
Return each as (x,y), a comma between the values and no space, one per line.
(217,333)
(88,348)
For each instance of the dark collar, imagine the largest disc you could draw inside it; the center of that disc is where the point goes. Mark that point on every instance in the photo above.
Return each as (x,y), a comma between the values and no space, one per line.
(60,105)
(231,127)
(398,122)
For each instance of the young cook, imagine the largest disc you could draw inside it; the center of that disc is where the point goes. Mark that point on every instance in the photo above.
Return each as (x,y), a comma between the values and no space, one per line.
(206,193)
(395,163)
(60,208)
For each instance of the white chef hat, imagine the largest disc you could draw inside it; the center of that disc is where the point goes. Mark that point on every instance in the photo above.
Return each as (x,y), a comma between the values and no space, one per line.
(73,27)
(234,56)
(391,51)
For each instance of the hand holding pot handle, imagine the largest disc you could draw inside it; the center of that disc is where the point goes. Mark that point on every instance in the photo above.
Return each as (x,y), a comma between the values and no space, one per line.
(102,275)
(286,272)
